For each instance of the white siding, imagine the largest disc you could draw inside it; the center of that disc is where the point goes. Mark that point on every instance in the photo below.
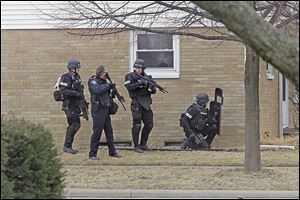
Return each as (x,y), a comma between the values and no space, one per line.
(28,15)
(24,14)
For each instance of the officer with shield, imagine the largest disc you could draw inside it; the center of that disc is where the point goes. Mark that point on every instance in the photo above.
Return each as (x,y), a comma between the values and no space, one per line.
(197,125)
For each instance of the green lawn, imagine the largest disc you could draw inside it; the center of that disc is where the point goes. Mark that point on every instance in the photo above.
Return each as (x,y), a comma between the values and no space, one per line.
(181,177)
(205,170)
(182,158)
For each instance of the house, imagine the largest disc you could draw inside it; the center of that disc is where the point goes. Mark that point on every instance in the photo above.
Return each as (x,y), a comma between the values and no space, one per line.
(34,54)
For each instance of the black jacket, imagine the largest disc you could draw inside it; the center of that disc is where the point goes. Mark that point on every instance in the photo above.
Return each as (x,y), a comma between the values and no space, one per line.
(195,119)
(137,89)
(72,89)
(100,91)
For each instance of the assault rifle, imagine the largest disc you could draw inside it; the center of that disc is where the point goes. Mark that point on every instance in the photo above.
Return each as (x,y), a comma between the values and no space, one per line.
(151,81)
(84,107)
(120,98)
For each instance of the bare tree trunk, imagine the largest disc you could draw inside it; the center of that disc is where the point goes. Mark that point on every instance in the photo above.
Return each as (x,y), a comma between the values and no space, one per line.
(252,146)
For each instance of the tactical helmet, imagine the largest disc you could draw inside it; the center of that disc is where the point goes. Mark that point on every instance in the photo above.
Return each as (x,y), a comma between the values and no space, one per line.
(73,64)
(100,70)
(139,63)
(202,98)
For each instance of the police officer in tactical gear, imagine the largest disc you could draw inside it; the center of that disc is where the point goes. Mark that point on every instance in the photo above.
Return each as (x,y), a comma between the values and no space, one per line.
(196,125)
(140,91)
(73,98)
(102,94)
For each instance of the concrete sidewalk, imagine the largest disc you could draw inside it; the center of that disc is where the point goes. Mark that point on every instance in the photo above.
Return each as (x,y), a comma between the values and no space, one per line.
(73,193)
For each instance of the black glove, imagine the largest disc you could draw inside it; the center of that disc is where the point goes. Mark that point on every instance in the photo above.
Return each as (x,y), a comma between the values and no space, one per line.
(197,139)
(112,85)
(143,82)
(85,115)
(84,106)
(113,92)
(152,86)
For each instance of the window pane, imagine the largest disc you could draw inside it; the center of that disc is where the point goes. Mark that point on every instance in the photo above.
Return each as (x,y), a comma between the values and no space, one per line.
(155,41)
(157,59)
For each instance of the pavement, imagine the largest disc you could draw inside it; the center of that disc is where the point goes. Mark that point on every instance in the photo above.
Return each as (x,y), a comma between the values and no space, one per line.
(75,193)
(176,147)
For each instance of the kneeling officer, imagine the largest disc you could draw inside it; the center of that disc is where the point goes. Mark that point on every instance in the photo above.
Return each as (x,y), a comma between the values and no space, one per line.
(102,93)
(196,125)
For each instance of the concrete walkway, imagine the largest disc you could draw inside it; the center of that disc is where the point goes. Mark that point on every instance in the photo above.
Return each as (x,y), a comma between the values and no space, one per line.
(73,193)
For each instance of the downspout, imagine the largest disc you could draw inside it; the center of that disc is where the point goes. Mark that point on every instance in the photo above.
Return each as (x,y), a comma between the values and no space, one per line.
(280,98)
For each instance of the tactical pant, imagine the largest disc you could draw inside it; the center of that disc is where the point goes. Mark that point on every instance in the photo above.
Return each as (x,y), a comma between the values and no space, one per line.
(140,114)
(102,120)
(73,125)
(202,145)
(205,143)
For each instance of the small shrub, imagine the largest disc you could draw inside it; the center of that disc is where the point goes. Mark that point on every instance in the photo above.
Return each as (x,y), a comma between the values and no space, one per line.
(32,164)
(6,186)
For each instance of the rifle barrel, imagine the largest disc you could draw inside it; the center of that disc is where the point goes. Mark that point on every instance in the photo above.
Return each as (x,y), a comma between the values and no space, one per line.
(119,97)
(163,90)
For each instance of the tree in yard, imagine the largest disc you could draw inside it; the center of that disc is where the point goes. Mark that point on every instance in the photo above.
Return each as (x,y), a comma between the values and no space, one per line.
(104,18)
(271,44)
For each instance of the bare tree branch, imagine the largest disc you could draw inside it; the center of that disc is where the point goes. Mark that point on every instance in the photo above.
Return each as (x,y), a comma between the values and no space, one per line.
(184,18)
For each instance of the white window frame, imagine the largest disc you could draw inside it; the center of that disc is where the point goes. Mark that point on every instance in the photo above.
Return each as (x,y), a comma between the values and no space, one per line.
(284,96)
(270,74)
(156,72)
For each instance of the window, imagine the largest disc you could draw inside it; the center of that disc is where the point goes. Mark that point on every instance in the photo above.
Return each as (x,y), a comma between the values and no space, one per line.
(270,75)
(160,52)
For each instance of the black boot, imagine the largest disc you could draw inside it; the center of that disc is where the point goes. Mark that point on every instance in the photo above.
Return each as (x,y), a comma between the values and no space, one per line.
(138,149)
(146,147)
(69,150)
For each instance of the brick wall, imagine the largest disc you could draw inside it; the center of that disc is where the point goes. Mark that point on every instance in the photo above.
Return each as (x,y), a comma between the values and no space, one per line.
(293,111)
(269,102)
(206,65)
(31,61)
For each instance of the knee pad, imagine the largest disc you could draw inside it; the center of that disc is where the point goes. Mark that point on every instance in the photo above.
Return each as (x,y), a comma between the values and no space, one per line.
(136,128)
(149,126)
